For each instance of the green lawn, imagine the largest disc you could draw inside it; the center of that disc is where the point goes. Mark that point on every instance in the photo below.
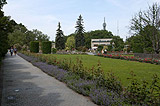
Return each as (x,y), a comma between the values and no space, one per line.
(121,68)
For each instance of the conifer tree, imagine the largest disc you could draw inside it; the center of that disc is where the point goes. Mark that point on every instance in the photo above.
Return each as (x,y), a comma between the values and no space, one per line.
(79,37)
(60,44)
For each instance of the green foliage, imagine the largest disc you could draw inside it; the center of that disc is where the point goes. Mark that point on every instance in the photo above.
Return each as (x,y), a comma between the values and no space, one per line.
(137,44)
(79,37)
(112,82)
(110,48)
(97,34)
(18,36)
(54,50)
(2,3)
(46,47)
(82,48)
(99,49)
(118,43)
(149,50)
(22,36)
(60,41)
(143,93)
(121,68)
(70,43)
(39,36)
(84,80)
(140,44)
(6,26)
(34,46)
(147,25)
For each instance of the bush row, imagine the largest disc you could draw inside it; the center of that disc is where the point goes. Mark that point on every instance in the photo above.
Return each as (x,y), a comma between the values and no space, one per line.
(131,58)
(102,90)
(46,47)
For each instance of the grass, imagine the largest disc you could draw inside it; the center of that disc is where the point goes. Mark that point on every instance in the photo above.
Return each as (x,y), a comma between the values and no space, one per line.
(121,68)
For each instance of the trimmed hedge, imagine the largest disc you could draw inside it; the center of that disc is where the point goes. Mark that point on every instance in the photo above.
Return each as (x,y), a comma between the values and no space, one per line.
(34,46)
(46,47)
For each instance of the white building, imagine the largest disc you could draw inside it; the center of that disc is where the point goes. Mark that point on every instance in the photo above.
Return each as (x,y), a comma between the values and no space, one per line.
(53,45)
(96,42)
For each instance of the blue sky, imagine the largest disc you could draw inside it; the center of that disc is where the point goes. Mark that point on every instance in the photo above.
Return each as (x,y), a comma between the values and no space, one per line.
(44,15)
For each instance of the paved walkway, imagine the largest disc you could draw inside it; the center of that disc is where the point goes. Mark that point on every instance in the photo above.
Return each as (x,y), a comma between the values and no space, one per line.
(26,85)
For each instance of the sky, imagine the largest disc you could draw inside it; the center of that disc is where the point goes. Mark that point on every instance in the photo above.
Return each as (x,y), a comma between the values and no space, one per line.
(44,15)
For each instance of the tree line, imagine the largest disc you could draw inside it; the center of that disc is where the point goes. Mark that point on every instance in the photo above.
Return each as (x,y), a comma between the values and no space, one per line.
(81,40)
(144,28)
(6,26)
(21,36)
(13,34)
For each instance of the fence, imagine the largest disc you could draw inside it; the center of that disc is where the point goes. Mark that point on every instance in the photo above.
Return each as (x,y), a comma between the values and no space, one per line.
(144,55)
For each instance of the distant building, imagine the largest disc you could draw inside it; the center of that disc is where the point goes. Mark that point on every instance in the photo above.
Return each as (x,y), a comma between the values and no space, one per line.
(96,42)
(126,46)
(53,45)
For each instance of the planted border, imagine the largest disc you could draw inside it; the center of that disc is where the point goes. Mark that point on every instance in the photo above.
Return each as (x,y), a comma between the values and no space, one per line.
(103,91)
(131,58)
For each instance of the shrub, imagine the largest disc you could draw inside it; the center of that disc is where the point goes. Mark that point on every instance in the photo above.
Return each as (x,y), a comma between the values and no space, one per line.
(54,50)
(100,47)
(106,97)
(82,48)
(143,93)
(34,46)
(46,47)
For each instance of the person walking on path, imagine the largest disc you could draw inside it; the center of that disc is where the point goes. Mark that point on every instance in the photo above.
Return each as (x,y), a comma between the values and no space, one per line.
(11,51)
(15,51)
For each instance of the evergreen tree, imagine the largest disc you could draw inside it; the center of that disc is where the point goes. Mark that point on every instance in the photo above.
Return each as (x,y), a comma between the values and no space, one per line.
(60,44)
(79,38)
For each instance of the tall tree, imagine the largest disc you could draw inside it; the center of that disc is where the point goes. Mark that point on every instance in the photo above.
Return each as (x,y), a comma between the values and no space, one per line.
(147,23)
(60,44)
(6,26)
(39,36)
(21,36)
(118,43)
(79,37)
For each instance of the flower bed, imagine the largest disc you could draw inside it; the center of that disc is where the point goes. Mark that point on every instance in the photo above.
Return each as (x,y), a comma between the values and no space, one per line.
(131,58)
(77,82)
(92,82)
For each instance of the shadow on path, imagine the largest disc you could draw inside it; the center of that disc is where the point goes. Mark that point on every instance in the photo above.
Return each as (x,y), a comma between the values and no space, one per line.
(21,88)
